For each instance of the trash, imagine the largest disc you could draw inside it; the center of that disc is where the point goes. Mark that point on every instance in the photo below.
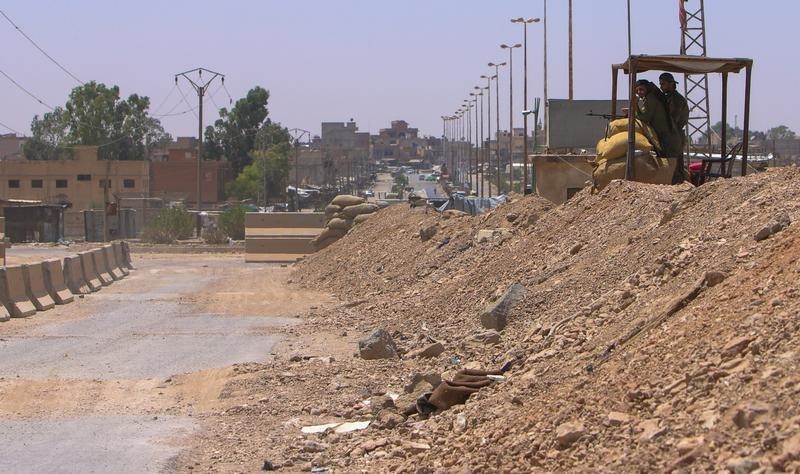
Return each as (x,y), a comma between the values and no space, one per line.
(344,427)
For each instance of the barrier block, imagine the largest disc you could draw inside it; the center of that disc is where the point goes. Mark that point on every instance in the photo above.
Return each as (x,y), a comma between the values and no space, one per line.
(111,264)
(126,253)
(73,275)
(35,288)
(100,266)
(4,314)
(54,282)
(89,271)
(119,258)
(12,280)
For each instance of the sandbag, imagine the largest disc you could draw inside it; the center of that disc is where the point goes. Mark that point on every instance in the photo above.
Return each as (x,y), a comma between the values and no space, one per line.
(332,209)
(646,169)
(361,218)
(350,212)
(338,223)
(330,232)
(621,126)
(345,200)
(617,146)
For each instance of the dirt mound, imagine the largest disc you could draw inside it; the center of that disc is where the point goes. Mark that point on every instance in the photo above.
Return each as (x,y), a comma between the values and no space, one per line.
(657,330)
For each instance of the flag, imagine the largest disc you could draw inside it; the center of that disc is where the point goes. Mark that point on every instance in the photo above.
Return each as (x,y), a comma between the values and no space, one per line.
(682,14)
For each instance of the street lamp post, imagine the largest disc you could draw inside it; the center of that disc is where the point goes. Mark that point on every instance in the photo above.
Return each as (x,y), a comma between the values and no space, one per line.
(497,113)
(468,141)
(546,107)
(510,113)
(525,97)
(489,125)
(474,96)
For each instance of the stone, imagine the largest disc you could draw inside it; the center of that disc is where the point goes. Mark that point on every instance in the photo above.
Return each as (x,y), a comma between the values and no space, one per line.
(569,432)
(575,248)
(415,447)
(714,278)
(616,418)
(736,346)
(373,444)
(432,350)
(650,429)
(314,447)
(428,232)
(454,213)
(741,465)
(690,444)
(378,345)
(790,451)
(780,222)
(460,423)
(495,316)
(489,336)
(389,419)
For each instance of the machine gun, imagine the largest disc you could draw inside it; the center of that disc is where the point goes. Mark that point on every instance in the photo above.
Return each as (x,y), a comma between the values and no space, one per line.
(608,117)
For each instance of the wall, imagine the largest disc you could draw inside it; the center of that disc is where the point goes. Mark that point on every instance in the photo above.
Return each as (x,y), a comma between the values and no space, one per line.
(571,128)
(556,174)
(176,179)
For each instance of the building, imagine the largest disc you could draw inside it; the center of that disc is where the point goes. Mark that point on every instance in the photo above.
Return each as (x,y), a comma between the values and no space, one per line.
(11,147)
(84,182)
(173,174)
(400,143)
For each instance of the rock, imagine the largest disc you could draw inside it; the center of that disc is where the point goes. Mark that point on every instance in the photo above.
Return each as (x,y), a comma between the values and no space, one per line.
(512,216)
(736,345)
(780,222)
(454,213)
(650,429)
(378,345)
(415,447)
(495,316)
(690,444)
(314,447)
(575,248)
(569,432)
(432,350)
(745,414)
(487,235)
(460,423)
(432,379)
(389,419)
(789,452)
(616,418)
(714,278)
(490,336)
(428,232)
(741,465)
(373,444)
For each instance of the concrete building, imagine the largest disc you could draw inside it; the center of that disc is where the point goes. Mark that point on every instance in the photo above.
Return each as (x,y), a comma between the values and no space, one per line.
(173,174)
(80,182)
(399,142)
(11,147)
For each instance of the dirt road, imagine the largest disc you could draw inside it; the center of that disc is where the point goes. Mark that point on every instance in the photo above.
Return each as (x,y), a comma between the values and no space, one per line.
(114,381)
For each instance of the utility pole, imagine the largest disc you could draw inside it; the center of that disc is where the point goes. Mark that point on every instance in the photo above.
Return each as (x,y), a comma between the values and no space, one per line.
(201,87)
(570,50)
(297,135)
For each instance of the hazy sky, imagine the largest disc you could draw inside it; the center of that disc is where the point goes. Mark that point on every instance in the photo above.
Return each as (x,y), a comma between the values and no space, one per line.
(371,60)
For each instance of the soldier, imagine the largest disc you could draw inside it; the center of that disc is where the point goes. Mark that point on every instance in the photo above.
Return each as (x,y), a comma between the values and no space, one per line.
(679,114)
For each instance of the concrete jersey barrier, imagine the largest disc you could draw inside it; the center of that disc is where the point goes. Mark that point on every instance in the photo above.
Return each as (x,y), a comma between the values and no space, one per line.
(89,271)
(35,288)
(126,254)
(12,282)
(73,276)
(54,282)
(119,258)
(111,263)
(100,265)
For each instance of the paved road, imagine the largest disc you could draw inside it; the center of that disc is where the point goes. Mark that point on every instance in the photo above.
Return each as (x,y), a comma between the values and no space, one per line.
(135,329)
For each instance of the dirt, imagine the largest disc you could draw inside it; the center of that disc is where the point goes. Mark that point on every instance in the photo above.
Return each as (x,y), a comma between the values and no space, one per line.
(656,332)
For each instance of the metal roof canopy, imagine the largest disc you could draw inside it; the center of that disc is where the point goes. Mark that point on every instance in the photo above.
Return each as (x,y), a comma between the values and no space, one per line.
(683,64)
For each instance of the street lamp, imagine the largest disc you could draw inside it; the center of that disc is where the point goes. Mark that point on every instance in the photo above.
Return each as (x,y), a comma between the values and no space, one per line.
(489,123)
(510,113)
(468,134)
(481,164)
(497,119)
(474,96)
(525,96)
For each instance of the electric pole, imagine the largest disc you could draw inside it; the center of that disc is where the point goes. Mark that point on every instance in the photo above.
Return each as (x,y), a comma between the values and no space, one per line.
(201,87)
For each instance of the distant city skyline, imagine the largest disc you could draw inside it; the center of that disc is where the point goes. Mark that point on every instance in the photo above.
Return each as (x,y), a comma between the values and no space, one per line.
(366,60)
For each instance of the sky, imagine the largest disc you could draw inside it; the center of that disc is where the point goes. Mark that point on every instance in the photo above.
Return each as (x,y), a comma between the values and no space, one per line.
(372,61)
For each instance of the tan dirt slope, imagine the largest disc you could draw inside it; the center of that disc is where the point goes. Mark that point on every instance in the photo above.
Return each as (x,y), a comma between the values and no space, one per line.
(656,333)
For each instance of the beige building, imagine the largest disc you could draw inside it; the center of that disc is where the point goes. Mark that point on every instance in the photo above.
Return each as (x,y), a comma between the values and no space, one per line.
(11,147)
(559,177)
(80,182)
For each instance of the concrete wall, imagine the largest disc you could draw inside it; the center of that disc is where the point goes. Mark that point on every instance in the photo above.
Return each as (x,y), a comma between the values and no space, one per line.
(559,175)
(176,179)
(571,128)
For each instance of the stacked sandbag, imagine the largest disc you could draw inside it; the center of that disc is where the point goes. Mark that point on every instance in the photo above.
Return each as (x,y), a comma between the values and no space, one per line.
(342,214)
(612,155)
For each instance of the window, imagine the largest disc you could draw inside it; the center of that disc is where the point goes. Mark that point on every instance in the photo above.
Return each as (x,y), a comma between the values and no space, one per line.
(13,183)
(61,183)
(84,177)
(103,182)
(36,183)
(128,183)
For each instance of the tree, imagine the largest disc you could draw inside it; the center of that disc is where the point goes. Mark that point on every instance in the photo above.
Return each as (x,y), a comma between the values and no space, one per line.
(781,132)
(95,115)
(267,174)
(233,135)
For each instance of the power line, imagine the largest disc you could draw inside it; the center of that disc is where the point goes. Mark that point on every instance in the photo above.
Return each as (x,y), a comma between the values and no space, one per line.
(230,99)
(39,48)
(27,91)
(6,126)
(183,96)
(164,101)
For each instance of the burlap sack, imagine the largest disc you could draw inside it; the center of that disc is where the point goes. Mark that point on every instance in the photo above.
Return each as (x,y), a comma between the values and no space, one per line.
(617,146)
(331,209)
(345,200)
(646,169)
(351,212)
(361,218)
(330,232)
(338,223)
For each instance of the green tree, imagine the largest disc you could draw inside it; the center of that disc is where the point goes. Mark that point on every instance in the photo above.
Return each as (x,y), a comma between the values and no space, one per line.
(94,114)
(781,132)
(233,135)
(268,173)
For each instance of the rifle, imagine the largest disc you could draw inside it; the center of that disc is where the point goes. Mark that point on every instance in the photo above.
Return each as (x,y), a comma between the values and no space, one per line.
(608,117)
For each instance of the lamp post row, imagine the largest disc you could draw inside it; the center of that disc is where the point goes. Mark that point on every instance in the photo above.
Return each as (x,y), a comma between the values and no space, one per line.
(481,158)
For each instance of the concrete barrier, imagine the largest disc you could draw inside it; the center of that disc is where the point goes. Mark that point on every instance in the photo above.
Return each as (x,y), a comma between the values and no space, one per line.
(35,288)
(4,314)
(126,254)
(119,258)
(54,282)
(73,276)
(89,271)
(280,236)
(12,281)
(111,263)
(100,266)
